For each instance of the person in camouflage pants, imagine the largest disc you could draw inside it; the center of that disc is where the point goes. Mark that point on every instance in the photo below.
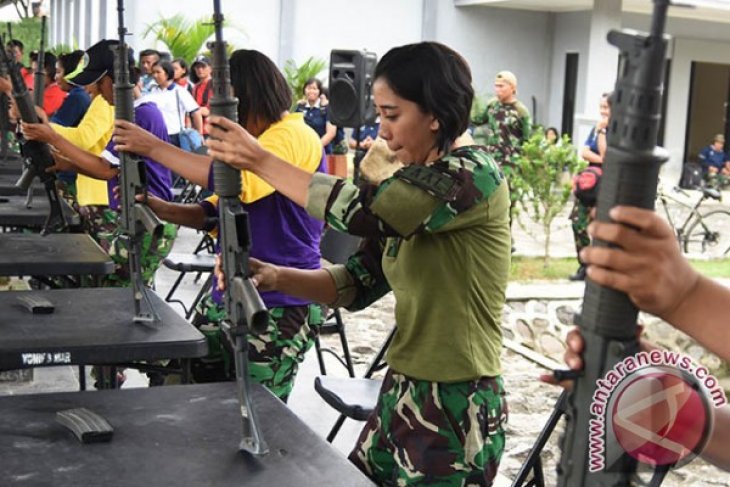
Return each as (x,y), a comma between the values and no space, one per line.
(463,421)
(102,224)
(274,355)
(436,234)
(503,127)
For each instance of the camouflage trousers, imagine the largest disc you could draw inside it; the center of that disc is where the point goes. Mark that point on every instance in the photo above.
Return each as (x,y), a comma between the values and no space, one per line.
(102,223)
(580,218)
(430,433)
(274,355)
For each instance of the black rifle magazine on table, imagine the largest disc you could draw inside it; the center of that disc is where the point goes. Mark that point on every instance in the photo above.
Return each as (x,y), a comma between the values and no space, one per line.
(86,425)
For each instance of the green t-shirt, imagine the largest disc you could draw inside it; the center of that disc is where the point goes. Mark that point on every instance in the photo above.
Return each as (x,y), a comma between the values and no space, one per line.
(438,236)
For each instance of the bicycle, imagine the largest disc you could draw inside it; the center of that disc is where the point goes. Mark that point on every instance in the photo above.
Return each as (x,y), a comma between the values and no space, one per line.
(705,233)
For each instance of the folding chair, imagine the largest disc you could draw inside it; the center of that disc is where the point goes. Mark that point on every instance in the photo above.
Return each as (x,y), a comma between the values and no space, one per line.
(335,248)
(353,398)
(184,263)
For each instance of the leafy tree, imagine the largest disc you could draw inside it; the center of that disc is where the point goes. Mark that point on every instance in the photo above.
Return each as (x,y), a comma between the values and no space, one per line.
(296,76)
(537,180)
(184,38)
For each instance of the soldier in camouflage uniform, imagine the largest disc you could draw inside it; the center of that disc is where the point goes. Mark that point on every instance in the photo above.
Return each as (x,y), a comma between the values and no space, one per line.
(437,236)
(504,126)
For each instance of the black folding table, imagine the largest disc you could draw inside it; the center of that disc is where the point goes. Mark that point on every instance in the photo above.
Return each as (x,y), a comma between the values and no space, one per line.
(172,435)
(90,326)
(14,212)
(56,254)
(8,188)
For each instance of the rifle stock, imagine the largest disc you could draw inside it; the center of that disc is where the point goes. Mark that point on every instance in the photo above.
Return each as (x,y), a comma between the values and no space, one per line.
(36,155)
(137,218)
(244,307)
(630,176)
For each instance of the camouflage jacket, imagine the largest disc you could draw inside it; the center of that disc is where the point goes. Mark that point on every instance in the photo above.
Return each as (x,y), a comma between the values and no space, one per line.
(438,236)
(502,129)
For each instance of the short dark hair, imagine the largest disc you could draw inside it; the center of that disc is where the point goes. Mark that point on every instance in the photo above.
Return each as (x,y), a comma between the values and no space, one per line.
(167,68)
(182,64)
(437,79)
(69,62)
(261,89)
(16,43)
(149,52)
(315,81)
(49,63)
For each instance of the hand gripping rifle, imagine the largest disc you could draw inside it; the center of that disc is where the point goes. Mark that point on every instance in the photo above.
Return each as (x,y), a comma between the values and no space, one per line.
(608,317)
(36,155)
(39,77)
(244,307)
(136,216)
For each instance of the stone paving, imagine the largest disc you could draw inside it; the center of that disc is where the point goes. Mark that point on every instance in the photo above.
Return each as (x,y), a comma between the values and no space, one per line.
(537,316)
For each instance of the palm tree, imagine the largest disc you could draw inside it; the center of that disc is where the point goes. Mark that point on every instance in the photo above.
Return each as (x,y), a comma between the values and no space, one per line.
(185,39)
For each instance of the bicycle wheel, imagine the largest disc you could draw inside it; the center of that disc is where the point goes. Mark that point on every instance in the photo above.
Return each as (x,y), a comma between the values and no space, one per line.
(709,235)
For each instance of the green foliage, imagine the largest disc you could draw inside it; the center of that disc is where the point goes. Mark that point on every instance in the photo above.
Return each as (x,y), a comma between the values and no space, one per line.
(59,49)
(538,181)
(183,38)
(479,105)
(296,76)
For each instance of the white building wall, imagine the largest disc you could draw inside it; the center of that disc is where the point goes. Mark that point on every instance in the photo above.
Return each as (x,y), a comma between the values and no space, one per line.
(572,31)
(494,39)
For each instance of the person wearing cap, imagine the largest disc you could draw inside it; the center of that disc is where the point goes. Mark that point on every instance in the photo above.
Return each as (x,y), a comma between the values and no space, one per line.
(103,221)
(713,158)
(72,110)
(203,90)
(504,125)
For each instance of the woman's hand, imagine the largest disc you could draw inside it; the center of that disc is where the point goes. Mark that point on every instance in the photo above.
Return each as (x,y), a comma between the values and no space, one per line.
(38,131)
(263,274)
(573,354)
(232,144)
(646,265)
(129,137)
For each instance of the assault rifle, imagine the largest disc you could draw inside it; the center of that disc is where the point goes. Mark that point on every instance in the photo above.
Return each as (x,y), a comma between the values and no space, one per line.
(39,77)
(36,155)
(4,106)
(630,177)
(136,216)
(244,307)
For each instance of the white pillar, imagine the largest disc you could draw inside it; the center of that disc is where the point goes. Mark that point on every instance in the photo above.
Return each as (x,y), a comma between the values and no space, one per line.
(75,36)
(602,64)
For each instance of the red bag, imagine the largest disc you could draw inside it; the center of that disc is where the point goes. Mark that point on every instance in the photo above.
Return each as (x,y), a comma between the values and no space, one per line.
(586,184)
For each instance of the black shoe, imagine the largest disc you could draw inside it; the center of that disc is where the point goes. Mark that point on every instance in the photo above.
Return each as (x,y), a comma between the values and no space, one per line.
(580,274)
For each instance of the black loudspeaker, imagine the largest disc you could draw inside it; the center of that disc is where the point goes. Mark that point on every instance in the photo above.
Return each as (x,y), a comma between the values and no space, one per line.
(350,87)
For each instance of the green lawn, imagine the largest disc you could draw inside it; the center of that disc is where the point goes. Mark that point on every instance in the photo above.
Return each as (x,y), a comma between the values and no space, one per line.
(530,268)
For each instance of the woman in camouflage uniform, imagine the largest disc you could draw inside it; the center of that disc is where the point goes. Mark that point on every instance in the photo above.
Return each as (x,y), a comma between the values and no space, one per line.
(437,235)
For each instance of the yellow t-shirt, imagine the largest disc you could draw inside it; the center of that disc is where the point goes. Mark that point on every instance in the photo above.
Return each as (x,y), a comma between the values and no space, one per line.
(291,140)
(92,134)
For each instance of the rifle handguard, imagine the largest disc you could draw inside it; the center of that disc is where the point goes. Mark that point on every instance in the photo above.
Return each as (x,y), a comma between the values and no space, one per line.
(26,178)
(149,220)
(245,292)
